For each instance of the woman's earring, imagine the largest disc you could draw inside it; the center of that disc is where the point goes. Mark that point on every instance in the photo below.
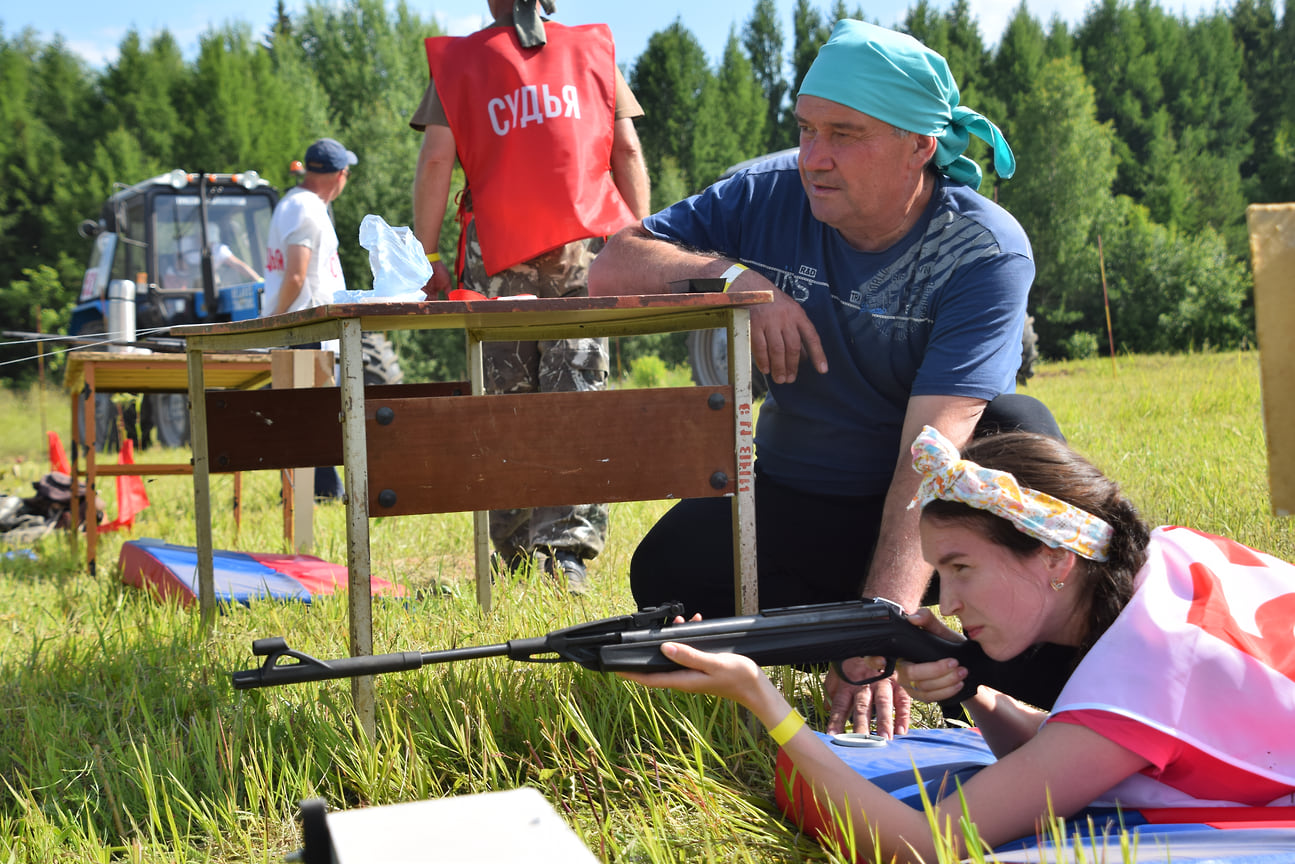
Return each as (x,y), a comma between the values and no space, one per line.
(1057,584)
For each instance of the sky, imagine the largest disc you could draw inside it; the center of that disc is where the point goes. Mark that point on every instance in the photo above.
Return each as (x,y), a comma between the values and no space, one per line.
(94,28)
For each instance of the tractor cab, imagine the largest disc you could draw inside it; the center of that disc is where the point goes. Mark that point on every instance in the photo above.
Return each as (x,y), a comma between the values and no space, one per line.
(179,248)
(192,245)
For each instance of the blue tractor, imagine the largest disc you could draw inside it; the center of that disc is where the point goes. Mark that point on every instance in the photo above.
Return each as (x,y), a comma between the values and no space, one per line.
(193,247)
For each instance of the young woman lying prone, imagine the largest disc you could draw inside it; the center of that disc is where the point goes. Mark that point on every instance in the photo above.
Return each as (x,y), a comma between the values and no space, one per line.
(1185,693)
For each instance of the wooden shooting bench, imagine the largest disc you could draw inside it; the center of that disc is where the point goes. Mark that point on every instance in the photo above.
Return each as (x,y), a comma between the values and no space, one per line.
(432,448)
(92,372)
(1272,250)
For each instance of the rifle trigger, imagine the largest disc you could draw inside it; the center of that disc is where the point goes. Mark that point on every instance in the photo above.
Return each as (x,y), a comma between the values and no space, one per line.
(663,614)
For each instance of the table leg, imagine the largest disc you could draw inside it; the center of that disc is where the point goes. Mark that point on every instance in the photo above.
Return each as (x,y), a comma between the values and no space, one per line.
(74,463)
(355,462)
(201,489)
(745,584)
(480,518)
(238,505)
(91,505)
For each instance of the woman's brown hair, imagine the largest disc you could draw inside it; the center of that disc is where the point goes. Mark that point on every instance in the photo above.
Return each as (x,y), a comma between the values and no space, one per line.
(1047,465)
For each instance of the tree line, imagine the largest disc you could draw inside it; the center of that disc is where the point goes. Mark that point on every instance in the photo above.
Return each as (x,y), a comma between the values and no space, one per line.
(1141,136)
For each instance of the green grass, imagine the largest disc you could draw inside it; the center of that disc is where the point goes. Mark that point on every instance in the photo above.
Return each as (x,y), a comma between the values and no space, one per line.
(121,738)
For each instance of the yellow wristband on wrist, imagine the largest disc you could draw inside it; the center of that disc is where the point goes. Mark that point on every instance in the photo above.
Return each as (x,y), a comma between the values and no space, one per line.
(731,274)
(787,728)
(433,257)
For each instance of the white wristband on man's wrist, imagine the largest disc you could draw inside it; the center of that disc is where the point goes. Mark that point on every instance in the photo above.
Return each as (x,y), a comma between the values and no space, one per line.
(731,274)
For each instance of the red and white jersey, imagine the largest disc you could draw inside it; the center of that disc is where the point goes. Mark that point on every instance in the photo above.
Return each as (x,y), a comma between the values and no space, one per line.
(1197,675)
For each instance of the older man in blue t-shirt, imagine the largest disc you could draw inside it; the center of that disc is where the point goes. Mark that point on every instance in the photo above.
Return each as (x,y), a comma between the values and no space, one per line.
(899,301)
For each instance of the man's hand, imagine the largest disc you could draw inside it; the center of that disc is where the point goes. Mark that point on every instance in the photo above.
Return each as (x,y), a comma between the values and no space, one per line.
(780,332)
(440,284)
(884,699)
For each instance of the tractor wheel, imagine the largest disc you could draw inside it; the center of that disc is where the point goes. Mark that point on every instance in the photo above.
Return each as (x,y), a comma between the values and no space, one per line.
(167,414)
(381,366)
(708,356)
(1029,351)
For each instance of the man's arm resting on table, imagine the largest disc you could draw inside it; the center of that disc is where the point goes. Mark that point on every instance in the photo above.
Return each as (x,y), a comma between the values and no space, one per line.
(432,178)
(637,262)
(897,571)
(295,266)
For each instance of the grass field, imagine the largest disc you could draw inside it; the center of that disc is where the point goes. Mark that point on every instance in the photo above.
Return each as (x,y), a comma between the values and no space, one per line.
(121,738)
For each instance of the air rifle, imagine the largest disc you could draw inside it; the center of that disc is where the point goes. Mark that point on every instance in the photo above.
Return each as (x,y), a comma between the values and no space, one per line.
(794,635)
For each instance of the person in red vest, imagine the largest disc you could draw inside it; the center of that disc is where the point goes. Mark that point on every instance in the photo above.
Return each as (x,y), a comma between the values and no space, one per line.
(542,122)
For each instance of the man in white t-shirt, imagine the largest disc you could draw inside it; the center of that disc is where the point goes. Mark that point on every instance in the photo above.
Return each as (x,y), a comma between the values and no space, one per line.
(302,267)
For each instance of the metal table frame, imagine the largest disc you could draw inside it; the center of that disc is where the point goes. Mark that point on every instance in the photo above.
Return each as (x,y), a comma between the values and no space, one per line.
(482,321)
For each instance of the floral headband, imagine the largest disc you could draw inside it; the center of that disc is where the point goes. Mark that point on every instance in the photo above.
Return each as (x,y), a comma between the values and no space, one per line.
(946,475)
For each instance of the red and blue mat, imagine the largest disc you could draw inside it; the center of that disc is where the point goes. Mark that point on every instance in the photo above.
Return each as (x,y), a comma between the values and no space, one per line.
(167,570)
(1204,835)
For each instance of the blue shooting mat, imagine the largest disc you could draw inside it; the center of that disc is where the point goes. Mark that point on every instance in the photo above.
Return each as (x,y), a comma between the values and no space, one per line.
(944,757)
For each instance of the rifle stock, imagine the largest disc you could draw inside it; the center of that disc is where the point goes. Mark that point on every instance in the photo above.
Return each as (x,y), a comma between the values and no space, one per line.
(795,635)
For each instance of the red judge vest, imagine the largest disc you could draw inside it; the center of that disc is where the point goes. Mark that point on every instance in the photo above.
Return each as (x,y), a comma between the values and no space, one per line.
(533,130)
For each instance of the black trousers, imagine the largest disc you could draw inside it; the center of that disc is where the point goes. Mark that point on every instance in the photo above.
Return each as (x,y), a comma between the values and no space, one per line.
(814,549)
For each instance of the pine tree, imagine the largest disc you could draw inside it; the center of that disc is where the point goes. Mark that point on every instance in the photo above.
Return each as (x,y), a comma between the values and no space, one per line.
(667,78)
(762,38)
(730,118)
(1065,169)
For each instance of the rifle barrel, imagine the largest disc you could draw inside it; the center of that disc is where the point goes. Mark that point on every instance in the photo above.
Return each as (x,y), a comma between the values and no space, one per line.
(449,655)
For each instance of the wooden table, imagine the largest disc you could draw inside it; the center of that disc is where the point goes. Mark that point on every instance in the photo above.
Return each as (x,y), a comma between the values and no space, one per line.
(92,372)
(419,449)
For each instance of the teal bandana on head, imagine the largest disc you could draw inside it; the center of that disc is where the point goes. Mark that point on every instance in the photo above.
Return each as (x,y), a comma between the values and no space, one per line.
(893,77)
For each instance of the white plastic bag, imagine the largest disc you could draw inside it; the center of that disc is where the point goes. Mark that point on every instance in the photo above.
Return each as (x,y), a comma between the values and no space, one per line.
(400,267)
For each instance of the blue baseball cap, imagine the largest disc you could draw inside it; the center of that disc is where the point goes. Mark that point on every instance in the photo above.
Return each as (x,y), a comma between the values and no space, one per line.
(327,156)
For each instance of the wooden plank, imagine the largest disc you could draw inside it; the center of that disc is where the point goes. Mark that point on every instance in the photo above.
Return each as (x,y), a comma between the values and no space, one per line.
(529,450)
(163,373)
(613,316)
(145,469)
(1272,248)
(258,430)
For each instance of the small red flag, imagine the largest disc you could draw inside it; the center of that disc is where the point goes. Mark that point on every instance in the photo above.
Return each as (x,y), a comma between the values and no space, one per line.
(57,455)
(131,497)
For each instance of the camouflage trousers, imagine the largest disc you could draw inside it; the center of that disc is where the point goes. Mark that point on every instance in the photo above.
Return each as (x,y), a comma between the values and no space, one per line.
(546,366)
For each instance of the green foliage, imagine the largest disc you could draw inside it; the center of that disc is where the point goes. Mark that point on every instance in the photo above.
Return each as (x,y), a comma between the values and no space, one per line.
(626,351)
(371,63)
(1168,290)
(1065,169)
(668,78)
(809,32)
(40,293)
(670,185)
(730,118)
(762,38)
(648,371)
(1080,345)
